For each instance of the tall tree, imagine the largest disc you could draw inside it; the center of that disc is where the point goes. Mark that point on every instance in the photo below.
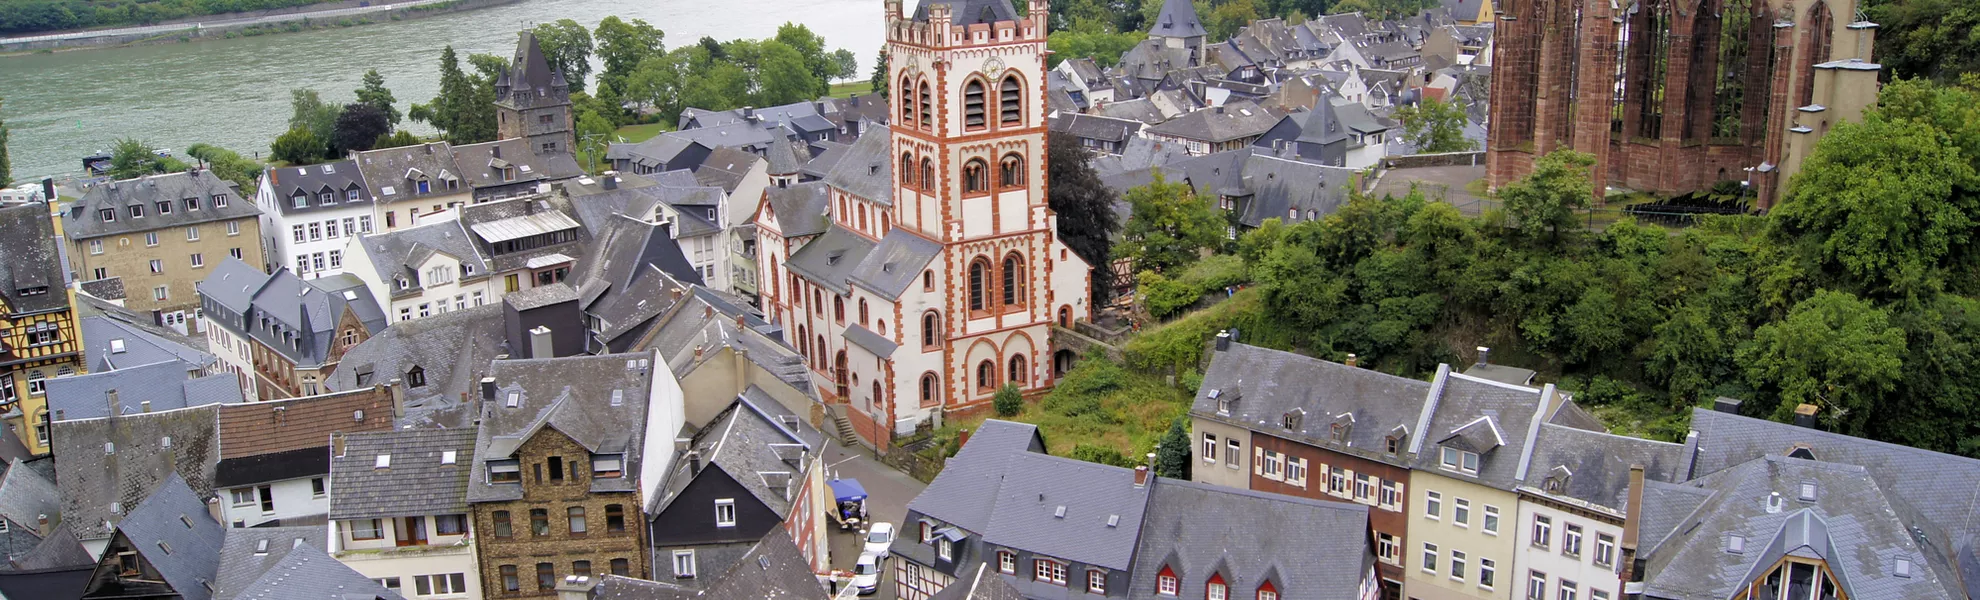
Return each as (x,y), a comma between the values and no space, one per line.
(309,111)
(623,45)
(465,107)
(131,157)
(1085,208)
(1169,226)
(297,147)
(1172,453)
(358,127)
(567,45)
(1833,350)
(810,49)
(658,80)
(782,75)
(6,161)
(879,78)
(846,64)
(1544,202)
(1434,126)
(373,93)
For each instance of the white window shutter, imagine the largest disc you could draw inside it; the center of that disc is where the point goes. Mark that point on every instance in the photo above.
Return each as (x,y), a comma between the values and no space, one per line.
(1257,460)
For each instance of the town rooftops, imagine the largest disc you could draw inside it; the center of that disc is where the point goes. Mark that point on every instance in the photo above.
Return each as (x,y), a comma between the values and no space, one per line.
(296,318)
(340,179)
(32,276)
(249,429)
(866,171)
(394,174)
(133,204)
(760,445)
(26,497)
(1496,421)
(114,343)
(173,531)
(801,209)
(428,474)
(600,402)
(109,465)
(1256,388)
(512,161)
(522,226)
(1095,127)
(1234,121)
(448,349)
(1592,468)
(250,552)
(397,256)
(1307,549)
(307,573)
(160,386)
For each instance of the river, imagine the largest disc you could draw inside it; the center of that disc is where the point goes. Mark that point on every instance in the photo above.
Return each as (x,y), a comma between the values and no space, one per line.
(234,93)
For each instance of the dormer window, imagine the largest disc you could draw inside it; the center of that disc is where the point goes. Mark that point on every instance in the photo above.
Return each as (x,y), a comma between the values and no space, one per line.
(504,471)
(300,200)
(424,187)
(1166,583)
(1463,461)
(1290,421)
(608,465)
(1215,589)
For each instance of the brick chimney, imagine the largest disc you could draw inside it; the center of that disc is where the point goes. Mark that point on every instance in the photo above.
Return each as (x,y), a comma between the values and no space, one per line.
(1632,523)
(962,437)
(1140,476)
(213,510)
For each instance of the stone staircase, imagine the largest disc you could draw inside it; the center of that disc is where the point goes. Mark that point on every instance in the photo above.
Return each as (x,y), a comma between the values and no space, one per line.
(847,435)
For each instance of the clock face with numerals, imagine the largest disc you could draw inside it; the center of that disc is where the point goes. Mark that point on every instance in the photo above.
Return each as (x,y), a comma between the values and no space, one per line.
(993,66)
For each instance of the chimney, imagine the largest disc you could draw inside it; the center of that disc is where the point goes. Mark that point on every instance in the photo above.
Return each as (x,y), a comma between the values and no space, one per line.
(576,587)
(495,151)
(1632,521)
(213,510)
(1140,476)
(1223,340)
(116,407)
(539,343)
(698,350)
(694,463)
(488,389)
(1804,415)
(1484,355)
(337,445)
(610,181)
(1726,405)
(397,387)
(1352,361)
(42,526)
(962,437)
(146,405)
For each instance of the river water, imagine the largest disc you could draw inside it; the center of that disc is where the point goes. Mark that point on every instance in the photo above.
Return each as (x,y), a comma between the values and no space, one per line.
(235,93)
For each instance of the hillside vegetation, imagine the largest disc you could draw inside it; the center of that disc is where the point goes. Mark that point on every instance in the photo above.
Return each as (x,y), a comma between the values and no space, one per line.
(36,16)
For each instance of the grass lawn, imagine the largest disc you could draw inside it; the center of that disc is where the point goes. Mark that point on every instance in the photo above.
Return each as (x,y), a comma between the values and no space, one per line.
(640,133)
(1100,403)
(850,89)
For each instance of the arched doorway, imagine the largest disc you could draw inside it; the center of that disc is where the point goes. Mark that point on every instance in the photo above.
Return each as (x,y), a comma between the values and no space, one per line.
(1063,361)
(840,374)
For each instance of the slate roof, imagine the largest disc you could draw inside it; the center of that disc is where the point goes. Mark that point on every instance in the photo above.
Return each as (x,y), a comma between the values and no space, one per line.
(786,157)
(272,466)
(174,515)
(753,444)
(1308,549)
(874,343)
(1234,120)
(1857,526)
(244,558)
(770,569)
(572,395)
(398,255)
(140,345)
(831,259)
(866,171)
(829,153)
(450,349)
(27,239)
(1095,127)
(969,12)
(337,178)
(895,263)
(1596,465)
(57,551)
(167,385)
(308,573)
(1177,19)
(26,496)
(391,174)
(84,223)
(418,482)
(710,323)
(108,288)
(801,209)
(656,152)
(301,317)
(635,268)
(983,583)
(1464,410)
(1269,383)
(727,166)
(232,285)
(92,480)
(499,219)
(1139,109)
(1322,125)
(482,163)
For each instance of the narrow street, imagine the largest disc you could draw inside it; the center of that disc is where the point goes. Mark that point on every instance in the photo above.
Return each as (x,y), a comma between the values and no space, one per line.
(888,493)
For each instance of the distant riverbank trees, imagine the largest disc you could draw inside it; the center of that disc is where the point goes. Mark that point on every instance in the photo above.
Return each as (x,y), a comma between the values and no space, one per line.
(38,16)
(6,163)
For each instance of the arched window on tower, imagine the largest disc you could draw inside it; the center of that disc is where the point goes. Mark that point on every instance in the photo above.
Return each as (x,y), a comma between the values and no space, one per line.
(1821,32)
(907,101)
(1652,65)
(1018,373)
(907,170)
(1010,100)
(927,175)
(1729,93)
(927,101)
(976,176)
(1010,171)
(1013,279)
(931,329)
(973,106)
(979,277)
(1699,83)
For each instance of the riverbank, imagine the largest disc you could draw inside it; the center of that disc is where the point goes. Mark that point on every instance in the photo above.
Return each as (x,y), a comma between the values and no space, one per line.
(340,16)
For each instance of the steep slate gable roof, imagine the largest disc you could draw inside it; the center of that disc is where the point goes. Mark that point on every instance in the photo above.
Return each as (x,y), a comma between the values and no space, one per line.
(1463,407)
(26,496)
(251,552)
(969,12)
(867,169)
(140,346)
(27,239)
(482,163)
(418,482)
(802,209)
(139,460)
(1238,119)
(84,223)
(1177,19)
(336,177)
(1308,549)
(895,263)
(175,516)
(307,573)
(831,259)
(1597,464)
(983,583)
(59,550)
(572,395)
(167,385)
(399,254)
(751,446)
(449,348)
(398,171)
(1269,383)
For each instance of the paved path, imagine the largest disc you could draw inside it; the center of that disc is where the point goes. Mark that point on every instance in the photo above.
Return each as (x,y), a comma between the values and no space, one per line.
(887,494)
(151,30)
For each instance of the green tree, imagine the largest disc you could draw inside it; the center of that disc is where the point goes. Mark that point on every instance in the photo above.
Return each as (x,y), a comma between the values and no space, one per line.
(657,81)
(1008,400)
(1545,201)
(359,126)
(1104,47)
(464,110)
(297,147)
(1834,351)
(1172,453)
(623,45)
(6,161)
(397,139)
(131,158)
(1433,126)
(1927,38)
(1228,17)
(845,64)
(567,45)
(810,49)
(783,75)
(1169,226)
(308,111)
(593,132)
(1163,296)
(1085,209)
(879,78)
(1105,455)
(373,92)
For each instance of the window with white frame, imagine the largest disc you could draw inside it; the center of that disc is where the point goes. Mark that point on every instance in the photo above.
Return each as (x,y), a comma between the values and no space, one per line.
(1491,523)
(1387,548)
(1296,471)
(233,228)
(315,232)
(1571,540)
(683,564)
(1272,464)
(1234,449)
(1167,585)
(1462,461)
(1392,495)
(1543,531)
(96,246)
(192,233)
(1461,512)
(1096,581)
(157,266)
(1598,595)
(1536,585)
(945,549)
(1048,570)
(159,293)
(1209,439)
(1568,590)
(1433,505)
(1605,550)
(1488,573)
(725,512)
(1007,562)
(198,260)
(1216,590)
(1429,557)
(441,584)
(1364,488)
(1457,565)
(151,238)
(296,233)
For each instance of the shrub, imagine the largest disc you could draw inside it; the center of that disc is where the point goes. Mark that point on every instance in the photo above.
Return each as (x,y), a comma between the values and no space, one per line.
(1100,454)
(1008,400)
(1163,296)
(1215,273)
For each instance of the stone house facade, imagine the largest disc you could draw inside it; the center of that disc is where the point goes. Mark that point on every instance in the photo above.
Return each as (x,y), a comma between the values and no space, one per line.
(161,235)
(558,527)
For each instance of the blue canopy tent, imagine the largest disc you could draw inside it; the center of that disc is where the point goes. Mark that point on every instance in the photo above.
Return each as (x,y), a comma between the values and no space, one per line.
(851,498)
